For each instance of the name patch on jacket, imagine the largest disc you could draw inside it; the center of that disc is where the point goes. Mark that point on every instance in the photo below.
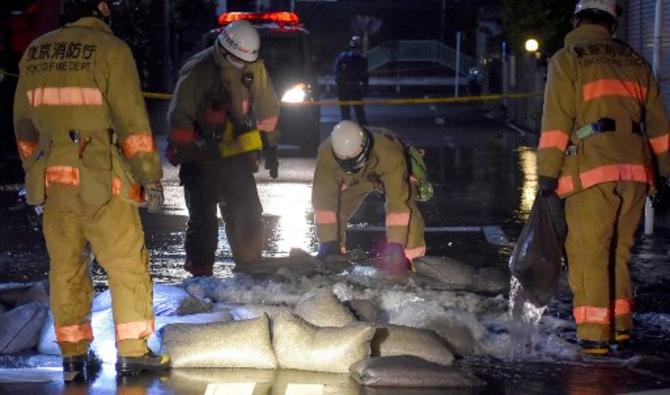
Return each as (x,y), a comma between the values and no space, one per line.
(611,54)
(60,56)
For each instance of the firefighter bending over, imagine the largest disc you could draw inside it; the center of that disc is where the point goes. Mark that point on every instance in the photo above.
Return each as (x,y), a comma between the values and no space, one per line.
(84,138)
(595,153)
(351,163)
(222,114)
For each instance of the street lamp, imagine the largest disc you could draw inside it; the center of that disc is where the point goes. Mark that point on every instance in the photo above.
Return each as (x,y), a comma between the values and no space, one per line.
(532,45)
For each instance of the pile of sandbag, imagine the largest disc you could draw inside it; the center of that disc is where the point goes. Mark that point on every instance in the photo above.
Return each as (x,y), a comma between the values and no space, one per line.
(320,335)
(23,309)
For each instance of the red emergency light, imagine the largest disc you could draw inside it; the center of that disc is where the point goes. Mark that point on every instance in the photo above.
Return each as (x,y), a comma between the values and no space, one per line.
(280,17)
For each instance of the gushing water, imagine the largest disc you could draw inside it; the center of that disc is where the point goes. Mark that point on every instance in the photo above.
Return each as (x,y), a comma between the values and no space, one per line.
(525,318)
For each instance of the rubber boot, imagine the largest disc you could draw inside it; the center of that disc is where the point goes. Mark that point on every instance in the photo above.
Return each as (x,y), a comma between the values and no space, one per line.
(148,362)
(595,348)
(80,368)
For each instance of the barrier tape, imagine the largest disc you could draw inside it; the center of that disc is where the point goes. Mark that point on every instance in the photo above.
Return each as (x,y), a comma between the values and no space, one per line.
(385,102)
(367,102)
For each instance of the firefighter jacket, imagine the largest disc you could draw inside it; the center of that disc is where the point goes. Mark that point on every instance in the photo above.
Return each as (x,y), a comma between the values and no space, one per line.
(386,169)
(211,102)
(604,118)
(351,70)
(80,118)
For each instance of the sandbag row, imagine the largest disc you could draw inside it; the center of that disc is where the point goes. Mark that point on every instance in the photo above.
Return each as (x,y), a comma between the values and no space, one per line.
(289,342)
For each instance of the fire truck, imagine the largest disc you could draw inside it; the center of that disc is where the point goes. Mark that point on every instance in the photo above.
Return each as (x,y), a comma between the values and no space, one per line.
(285,50)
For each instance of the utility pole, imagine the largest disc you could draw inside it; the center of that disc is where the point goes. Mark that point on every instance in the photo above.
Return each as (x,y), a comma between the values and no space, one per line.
(443,20)
(160,38)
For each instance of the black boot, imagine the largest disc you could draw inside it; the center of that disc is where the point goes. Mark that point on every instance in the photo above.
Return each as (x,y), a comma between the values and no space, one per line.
(80,368)
(148,362)
(595,348)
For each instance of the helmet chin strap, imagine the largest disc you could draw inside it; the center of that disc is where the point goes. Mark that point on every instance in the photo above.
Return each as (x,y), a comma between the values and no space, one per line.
(237,63)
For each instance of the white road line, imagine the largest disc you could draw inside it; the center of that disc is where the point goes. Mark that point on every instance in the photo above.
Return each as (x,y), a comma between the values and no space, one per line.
(230,388)
(433,107)
(439,121)
(428,229)
(495,235)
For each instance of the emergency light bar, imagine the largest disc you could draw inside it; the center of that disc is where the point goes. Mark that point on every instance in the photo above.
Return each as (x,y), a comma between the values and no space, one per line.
(280,17)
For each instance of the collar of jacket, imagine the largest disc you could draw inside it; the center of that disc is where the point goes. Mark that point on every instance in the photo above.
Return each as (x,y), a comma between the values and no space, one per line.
(587,32)
(91,22)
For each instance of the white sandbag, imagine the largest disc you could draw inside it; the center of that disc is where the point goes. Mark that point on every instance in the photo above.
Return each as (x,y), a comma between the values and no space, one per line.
(408,371)
(237,344)
(220,381)
(167,300)
(303,346)
(364,309)
(38,292)
(102,323)
(323,309)
(449,272)
(250,311)
(394,340)
(20,329)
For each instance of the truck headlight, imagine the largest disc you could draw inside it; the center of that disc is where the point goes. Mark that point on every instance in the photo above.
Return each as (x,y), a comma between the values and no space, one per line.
(295,95)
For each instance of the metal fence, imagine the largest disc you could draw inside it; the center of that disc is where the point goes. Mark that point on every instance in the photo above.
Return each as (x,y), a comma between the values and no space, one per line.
(419,51)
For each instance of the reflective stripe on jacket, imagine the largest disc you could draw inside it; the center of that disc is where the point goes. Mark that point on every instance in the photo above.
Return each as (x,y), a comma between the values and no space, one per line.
(79,105)
(591,78)
(387,165)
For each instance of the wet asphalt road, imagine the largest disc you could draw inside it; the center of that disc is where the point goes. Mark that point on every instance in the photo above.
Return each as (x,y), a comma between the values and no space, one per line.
(485,181)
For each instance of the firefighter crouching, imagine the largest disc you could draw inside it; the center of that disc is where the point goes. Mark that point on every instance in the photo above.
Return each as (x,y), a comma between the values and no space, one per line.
(595,153)
(223,113)
(89,155)
(351,163)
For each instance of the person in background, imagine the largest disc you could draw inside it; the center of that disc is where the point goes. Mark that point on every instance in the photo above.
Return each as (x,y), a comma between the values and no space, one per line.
(351,77)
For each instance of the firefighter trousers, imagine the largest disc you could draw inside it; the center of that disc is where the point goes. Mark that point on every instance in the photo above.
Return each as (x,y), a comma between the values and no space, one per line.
(602,221)
(114,233)
(351,92)
(230,185)
(353,196)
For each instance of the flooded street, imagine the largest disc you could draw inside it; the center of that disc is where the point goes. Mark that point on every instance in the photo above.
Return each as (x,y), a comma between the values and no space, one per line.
(485,182)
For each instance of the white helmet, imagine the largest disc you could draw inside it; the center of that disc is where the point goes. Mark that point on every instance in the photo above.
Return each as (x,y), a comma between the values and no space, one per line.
(608,7)
(351,145)
(241,39)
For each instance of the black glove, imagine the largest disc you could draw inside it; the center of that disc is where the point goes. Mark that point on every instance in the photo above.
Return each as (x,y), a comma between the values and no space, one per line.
(547,186)
(153,196)
(328,248)
(271,161)
(393,260)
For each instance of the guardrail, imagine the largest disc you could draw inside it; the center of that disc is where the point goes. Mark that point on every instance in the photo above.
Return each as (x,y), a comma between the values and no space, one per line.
(418,51)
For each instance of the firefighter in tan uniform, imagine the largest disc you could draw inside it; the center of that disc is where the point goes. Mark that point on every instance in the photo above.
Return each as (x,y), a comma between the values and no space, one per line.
(604,127)
(90,158)
(350,164)
(222,114)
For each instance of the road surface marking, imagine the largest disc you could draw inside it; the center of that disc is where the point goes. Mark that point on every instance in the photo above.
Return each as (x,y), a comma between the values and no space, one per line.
(439,121)
(230,388)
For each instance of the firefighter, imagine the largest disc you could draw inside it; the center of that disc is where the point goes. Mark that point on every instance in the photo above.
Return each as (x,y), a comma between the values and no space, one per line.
(595,153)
(351,77)
(222,114)
(86,145)
(350,164)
